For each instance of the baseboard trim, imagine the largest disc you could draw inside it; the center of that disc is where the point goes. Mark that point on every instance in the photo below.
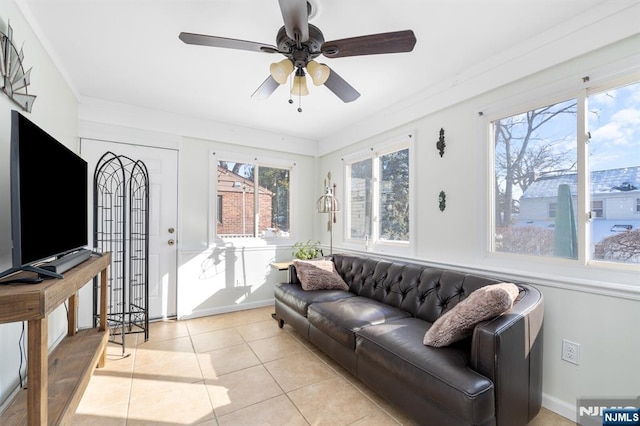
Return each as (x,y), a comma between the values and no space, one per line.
(559,407)
(226,309)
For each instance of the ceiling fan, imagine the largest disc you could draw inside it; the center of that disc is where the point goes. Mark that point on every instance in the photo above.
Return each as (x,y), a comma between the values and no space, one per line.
(301,42)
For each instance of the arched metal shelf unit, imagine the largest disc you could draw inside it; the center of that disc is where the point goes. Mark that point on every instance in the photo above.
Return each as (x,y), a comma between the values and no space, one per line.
(121,226)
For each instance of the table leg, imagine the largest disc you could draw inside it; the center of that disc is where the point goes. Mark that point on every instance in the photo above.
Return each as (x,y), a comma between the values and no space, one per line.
(72,317)
(103,313)
(37,370)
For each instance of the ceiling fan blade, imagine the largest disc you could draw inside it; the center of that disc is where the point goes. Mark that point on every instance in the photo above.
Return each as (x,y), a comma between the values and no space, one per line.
(374,44)
(341,88)
(296,19)
(266,88)
(228,43)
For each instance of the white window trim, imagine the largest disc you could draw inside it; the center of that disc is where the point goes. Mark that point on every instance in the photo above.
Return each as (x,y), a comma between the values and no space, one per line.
(604,78)
(264,161)
(374,243)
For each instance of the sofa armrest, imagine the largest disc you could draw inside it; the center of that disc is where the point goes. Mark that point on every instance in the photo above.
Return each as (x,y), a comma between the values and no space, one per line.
(508,351)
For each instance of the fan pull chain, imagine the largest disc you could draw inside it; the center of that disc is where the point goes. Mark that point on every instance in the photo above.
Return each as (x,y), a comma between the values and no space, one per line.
(290,87)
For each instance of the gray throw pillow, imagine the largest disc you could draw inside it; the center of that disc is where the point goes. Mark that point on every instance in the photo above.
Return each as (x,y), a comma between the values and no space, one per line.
(484,303)
(319,275)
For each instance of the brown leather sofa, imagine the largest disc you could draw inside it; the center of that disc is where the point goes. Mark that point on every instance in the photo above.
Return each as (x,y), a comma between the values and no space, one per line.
(375,331)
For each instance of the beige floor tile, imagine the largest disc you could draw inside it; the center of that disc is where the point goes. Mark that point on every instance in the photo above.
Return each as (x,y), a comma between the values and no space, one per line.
(240,389)
(112,415)
(156,377)
(259,330)
(164,374)
(118,362)
(377,420)
(182,403)
(230,320)
(172,350)
(299,370)
(275,347)
(189,367)
(207,324)
(105,389)
(167,329)
(334,402)
(549,418)
(211,340)
(278,411)
(226,360)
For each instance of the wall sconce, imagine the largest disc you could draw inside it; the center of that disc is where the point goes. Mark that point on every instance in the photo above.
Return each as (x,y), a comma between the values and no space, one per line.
(440,144)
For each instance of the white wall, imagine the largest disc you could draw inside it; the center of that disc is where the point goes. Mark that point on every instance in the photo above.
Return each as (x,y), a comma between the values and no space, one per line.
(222,276)
(597,307)
(55,110)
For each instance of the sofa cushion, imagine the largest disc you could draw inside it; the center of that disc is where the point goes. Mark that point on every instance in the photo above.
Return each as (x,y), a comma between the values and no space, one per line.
(441,374)
(319,275)
(458,323)
(293,296)
(341,319)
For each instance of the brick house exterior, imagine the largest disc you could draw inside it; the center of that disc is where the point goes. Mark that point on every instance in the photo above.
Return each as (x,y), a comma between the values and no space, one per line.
(235,194)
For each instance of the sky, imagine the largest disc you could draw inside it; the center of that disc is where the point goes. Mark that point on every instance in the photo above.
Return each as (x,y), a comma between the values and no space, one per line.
(614,123)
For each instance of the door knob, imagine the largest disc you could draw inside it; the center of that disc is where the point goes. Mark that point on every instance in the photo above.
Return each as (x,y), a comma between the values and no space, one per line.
(171,230)
(171,242)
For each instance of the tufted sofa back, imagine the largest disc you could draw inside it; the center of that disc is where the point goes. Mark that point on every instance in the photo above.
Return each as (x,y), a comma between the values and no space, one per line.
(422,291)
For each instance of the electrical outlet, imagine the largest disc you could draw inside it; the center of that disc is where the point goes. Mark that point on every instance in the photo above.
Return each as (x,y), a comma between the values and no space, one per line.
(571,351)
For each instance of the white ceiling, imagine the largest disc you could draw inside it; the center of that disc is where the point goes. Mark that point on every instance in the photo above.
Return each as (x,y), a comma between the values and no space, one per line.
(128,51)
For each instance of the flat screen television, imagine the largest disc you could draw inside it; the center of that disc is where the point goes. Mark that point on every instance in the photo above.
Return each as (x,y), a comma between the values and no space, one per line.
(49,198)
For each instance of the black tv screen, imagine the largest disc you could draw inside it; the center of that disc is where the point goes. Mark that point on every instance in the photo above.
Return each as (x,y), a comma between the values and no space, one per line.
(49,198)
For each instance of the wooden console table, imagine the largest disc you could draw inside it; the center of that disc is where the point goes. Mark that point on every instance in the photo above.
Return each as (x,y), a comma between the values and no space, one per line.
(67,370)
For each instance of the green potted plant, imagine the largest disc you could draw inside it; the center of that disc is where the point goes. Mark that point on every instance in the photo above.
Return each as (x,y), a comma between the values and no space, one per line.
(307,250)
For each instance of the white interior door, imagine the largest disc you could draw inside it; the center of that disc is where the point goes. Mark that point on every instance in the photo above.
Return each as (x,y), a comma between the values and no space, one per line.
(162,165)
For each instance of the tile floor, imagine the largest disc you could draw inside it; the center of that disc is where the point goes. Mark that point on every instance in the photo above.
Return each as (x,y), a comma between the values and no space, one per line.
(232,369)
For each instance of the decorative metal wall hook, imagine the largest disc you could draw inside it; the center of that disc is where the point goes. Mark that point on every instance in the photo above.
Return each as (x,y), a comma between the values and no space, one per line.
(442,201)
(440,144)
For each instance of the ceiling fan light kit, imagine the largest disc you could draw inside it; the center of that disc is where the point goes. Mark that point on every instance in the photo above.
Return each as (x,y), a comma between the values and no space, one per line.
(301,42)
(280,71)
(299,87)
(319,72)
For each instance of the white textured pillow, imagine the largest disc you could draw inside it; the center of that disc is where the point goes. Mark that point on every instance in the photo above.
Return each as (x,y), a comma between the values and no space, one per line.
(319,275)
(484,303)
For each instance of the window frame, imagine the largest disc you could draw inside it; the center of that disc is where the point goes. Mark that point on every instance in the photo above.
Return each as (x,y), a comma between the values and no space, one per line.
(261,161)
(538,99)
(374,243)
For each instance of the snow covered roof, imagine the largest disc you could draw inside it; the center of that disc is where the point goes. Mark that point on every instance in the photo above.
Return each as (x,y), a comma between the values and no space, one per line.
(602,182)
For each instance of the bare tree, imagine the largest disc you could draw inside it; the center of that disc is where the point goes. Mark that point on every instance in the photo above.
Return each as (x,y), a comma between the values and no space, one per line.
(522,153)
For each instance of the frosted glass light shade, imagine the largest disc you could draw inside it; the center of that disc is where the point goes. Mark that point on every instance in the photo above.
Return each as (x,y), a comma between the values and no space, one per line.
(299,87)
(319,72)
(280,70)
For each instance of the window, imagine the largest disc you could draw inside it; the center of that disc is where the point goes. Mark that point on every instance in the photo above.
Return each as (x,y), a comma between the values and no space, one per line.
(597,209)
(540,165)
(360,199)
(255,199)
(378,186)
(535,180)
(614,173)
